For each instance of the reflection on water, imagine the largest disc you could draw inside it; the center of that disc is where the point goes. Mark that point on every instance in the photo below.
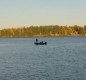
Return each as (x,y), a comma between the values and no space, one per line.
(64,58)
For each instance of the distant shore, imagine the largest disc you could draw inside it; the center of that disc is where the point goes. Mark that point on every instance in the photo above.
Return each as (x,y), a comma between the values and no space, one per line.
(43,31)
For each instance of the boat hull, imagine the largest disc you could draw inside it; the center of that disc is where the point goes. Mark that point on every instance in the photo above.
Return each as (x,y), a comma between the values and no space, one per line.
(40,43)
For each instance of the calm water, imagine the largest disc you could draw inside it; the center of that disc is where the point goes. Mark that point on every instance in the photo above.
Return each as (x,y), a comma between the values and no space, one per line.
(64,58)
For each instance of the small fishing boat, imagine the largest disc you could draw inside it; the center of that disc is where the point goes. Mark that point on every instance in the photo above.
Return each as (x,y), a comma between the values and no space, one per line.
(40,43)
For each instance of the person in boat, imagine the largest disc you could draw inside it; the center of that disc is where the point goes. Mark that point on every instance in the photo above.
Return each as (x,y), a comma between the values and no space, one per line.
(36,40)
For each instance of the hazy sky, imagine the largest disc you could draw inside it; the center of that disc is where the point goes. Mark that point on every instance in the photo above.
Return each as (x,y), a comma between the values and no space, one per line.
(17,13)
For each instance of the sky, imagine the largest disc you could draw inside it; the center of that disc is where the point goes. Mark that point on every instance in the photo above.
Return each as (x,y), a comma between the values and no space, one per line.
(19,13)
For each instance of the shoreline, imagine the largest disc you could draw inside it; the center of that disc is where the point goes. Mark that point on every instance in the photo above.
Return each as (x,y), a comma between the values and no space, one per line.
(46,36)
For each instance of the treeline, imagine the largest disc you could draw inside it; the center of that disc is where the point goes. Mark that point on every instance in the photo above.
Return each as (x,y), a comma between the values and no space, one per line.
(40,31)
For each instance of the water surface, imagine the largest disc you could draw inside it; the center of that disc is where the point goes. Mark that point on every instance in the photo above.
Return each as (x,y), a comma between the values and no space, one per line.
(63,58)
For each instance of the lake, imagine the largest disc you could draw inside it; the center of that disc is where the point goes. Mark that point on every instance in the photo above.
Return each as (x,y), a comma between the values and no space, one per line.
(63,58)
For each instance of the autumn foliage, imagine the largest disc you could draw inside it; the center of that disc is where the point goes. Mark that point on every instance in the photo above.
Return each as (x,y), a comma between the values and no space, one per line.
(42,31)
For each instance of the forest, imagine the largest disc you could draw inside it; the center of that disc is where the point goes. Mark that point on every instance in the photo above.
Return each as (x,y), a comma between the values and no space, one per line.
(43,31)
